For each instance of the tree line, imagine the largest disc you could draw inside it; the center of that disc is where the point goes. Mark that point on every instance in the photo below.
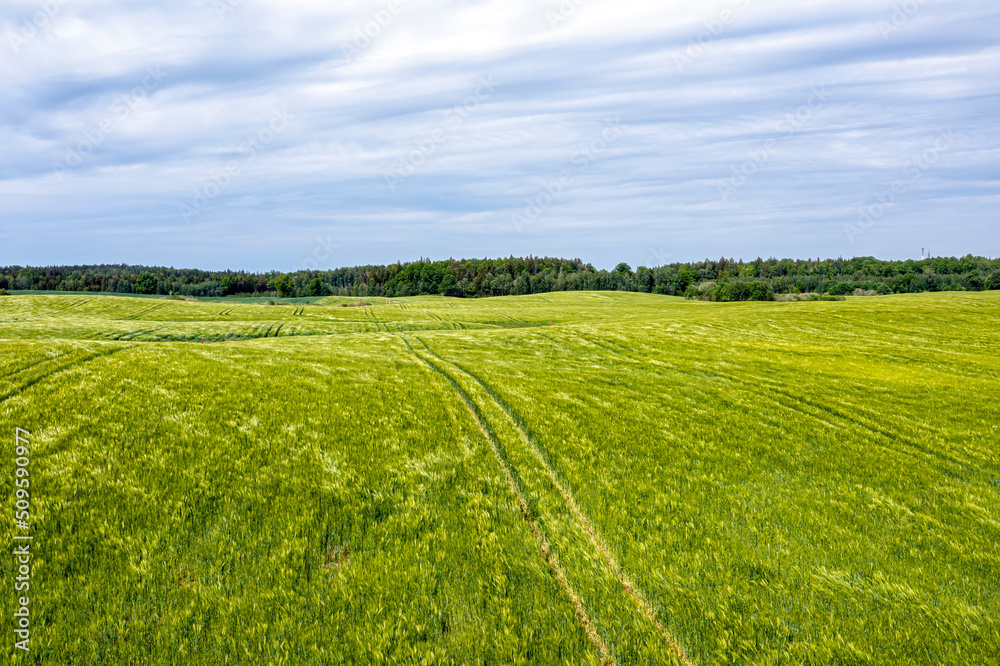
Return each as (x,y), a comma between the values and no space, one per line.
(723,279)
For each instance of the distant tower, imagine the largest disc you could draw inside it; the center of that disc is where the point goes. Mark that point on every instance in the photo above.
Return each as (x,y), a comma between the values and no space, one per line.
(922,256)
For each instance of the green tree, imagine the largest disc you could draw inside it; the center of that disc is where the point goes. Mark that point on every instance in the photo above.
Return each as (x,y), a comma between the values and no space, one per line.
(521,285)
(145,284)
(760,291)
(974,282)
(449,287)
(283,285)
(685,279)
(316,287)
(623,268)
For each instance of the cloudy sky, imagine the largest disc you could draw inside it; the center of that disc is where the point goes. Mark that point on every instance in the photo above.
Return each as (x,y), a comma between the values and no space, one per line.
(276,135)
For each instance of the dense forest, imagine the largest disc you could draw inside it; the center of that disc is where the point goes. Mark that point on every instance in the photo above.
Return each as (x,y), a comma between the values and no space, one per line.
(722,280)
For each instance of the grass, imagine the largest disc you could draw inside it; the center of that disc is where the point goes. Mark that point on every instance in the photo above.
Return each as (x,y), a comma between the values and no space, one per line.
(558,478)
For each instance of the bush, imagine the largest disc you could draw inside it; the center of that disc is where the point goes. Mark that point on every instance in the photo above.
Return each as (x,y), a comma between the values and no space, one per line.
(808,296)
(4,292)
(761,291)
(755,290)
(993,282)
(841,288)
(726,291)
(974,282)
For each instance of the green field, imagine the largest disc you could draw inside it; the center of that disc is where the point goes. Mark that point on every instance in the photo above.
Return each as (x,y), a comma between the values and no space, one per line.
(559,478)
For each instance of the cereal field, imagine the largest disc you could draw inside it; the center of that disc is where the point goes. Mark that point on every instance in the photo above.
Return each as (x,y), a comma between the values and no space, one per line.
(559,478)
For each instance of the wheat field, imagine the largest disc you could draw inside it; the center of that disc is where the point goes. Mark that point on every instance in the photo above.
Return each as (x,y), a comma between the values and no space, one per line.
(556,479)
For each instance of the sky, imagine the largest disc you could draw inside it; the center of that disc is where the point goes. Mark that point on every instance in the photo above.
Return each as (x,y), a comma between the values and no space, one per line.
(253,135)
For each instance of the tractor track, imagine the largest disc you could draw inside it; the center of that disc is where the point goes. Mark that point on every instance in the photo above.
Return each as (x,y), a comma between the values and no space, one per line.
(598,542)
(56,311)
(756,386)
(12,373)
(63,368)
(513,481)
(142,313)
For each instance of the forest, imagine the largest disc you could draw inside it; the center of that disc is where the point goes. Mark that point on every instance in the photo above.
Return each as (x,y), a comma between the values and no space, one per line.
(720,280)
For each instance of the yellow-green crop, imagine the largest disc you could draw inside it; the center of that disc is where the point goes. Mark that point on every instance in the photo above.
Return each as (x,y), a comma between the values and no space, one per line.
(559,478)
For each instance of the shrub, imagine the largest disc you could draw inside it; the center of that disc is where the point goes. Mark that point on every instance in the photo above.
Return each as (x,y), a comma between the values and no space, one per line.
(841,288)
(725,290)
(974,282)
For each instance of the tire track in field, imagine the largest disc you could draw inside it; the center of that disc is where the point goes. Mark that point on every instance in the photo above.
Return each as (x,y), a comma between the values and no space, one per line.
(132,335)
(513,481)
(18,371)
(761,386)
(62,368)
(794,405)
(141,313)
(597,540)
(76,304)
(67,307)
